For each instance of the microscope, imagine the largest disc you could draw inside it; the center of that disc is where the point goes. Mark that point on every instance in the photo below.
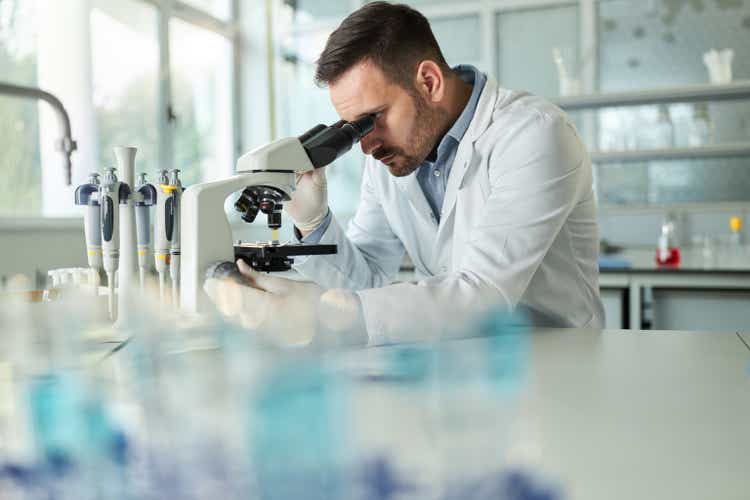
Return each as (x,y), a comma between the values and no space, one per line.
(267,178)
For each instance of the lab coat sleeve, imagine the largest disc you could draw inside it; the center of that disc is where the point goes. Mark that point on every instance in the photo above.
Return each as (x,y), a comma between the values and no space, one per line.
(537,174)
(369,253)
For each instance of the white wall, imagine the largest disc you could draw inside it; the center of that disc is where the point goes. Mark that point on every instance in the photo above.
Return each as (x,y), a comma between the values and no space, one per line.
(25,249)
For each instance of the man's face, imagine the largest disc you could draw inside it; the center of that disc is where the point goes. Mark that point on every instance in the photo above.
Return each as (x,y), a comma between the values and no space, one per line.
(407,126)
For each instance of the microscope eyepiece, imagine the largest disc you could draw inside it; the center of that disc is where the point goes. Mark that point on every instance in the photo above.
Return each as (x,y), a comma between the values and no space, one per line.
(328,143)
(360,128)
(311,133)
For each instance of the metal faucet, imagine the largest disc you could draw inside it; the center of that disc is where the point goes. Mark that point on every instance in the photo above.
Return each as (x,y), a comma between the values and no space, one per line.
(66,144)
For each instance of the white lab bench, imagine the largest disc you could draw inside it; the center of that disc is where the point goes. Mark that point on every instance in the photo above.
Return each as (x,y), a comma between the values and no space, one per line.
(623,415)
(609,414)
(705,292)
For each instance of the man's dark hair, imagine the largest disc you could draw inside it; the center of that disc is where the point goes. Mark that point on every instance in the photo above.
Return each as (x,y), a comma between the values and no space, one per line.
(395,37)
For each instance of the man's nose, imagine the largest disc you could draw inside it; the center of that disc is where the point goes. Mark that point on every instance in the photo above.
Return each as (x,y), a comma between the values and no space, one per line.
(370,144)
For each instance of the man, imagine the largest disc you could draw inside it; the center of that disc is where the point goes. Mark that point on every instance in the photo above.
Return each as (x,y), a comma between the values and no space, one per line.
(488,191)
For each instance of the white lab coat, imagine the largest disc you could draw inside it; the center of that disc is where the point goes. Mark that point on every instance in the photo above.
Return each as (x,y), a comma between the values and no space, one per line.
(518,226)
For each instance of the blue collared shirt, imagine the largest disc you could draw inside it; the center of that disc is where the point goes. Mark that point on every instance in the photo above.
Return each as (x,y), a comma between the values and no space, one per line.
(432,175)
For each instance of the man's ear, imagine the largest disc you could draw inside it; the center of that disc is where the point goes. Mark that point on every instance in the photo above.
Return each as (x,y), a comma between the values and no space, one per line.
(430,81)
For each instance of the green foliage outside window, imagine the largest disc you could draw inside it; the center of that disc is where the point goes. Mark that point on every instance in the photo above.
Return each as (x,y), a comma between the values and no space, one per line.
(20,170)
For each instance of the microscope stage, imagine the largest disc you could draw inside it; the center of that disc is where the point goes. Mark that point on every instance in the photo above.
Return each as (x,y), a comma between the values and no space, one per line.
(274,258)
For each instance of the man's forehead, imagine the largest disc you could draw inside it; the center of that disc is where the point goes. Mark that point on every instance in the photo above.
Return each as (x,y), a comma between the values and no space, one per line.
(361,90)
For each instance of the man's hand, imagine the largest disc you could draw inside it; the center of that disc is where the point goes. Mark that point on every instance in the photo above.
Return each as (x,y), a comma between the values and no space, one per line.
(290,312)
(309,204)
(284,310)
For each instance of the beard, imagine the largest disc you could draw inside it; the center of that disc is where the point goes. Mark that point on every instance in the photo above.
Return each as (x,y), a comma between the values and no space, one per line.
(423,137)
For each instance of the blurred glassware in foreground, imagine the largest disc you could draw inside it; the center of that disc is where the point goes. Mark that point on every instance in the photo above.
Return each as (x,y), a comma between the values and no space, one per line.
(202,409)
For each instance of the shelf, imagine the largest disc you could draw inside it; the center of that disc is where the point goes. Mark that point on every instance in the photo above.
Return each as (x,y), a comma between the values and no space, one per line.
(690,153)
(695,93)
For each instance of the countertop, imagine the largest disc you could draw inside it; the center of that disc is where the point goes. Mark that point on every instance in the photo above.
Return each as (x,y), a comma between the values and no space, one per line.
(600,414)
(624,415)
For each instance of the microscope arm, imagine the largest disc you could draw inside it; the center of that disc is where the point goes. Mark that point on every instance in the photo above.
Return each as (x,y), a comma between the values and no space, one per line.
(206,235)
(283,155)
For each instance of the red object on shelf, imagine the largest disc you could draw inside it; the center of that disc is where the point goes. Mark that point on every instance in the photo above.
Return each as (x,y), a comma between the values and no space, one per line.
(668,257)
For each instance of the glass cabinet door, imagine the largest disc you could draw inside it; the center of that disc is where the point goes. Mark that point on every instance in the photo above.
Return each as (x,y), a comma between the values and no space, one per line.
(661,44)
(459,38)
(525,48)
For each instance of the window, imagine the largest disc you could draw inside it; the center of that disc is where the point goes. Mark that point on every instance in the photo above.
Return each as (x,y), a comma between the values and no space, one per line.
(107,61)
(201,62)
(125,63)
(301,104)
(221,9)
(19,120)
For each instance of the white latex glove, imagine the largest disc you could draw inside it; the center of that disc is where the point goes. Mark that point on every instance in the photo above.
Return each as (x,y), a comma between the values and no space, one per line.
(289,312)
(309,204)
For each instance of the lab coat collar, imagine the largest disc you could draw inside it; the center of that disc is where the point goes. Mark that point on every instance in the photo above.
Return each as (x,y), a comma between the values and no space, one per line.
(463,160)
(478,125)
(483,114)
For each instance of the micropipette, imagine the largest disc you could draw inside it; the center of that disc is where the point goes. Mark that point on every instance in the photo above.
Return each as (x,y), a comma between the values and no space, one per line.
(174,250)
(143,223)
(110,194)
(88,196)
(163,228)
